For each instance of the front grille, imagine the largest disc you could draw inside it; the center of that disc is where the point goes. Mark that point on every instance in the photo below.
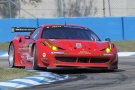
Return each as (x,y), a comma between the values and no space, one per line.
(66,59)
(83,60)
(99,60)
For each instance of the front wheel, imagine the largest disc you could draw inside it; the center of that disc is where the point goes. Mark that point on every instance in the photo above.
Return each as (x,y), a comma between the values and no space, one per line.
(35,55)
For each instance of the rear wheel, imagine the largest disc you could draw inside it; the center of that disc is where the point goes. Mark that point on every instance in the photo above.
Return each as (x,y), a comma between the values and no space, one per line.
(35,65)
(11,57)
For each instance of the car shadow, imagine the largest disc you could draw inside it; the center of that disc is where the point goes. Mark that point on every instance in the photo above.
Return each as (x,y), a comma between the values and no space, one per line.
(72,70)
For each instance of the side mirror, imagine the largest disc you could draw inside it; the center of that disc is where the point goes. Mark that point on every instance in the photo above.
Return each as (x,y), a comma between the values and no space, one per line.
(27,37)
(108,39)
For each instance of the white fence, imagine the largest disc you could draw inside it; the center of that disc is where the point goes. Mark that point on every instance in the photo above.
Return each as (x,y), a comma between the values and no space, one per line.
(66,8)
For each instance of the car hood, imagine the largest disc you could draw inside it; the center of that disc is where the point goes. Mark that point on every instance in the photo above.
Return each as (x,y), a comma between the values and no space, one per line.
(79,44)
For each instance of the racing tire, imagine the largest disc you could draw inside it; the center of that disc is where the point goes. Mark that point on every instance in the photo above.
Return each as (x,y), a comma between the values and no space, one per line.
(35,65)
(11,57)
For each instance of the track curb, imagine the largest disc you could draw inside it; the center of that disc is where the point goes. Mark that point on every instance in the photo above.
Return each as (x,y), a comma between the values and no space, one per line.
(42,78)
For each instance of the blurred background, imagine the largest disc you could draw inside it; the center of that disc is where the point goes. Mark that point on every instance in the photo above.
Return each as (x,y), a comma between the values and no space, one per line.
(66,8)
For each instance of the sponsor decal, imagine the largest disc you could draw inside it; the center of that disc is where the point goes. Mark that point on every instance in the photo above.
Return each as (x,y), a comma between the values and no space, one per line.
(108,54)
(56,26)
(101,55)
(44,55)
(55,62)
(66,54)
(30,45)
(58,53)
(78,45)
(16,38)
(53,26)
(25,57)
(25,47)
(84,52)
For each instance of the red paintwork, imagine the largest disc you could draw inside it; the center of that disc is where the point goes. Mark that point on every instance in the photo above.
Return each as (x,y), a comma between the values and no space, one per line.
(89,50)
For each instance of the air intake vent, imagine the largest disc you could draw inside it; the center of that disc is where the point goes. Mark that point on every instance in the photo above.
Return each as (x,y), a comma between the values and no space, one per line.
(99,60)
(66,59)
(83,60)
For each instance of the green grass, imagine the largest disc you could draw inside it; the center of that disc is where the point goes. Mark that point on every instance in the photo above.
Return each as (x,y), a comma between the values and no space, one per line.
(4,46)
(125,46)
(9,74)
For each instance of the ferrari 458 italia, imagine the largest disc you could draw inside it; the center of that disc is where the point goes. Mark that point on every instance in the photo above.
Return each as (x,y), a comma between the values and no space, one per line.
(56,45)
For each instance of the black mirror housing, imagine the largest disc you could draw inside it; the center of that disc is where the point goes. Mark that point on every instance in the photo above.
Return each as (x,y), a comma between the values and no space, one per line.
(108,39)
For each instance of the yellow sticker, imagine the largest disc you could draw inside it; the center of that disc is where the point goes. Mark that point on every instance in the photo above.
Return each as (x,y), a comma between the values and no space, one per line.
(55,26)
(84,52)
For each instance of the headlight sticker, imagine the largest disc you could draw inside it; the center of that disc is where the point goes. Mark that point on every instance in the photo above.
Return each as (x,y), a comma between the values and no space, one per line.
(109,48)
(55,48)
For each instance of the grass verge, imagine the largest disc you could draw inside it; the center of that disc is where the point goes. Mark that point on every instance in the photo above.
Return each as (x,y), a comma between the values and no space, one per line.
(125,46)
(4,46)
(8,74)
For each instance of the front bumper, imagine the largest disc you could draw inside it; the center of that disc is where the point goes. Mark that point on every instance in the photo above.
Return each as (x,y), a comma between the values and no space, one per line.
(107,61)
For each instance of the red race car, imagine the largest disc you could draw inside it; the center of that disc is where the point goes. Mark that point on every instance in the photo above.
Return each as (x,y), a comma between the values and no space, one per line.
(55,45)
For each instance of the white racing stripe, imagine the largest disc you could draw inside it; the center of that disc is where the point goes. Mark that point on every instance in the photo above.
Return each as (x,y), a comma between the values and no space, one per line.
(49,80)
(5,54)
(42,73)
(20,86)
(27,81)
(10,84)
(40,78)
(126,53)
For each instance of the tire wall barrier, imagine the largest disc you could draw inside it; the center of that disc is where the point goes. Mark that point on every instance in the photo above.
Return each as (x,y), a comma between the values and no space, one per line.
(116,28)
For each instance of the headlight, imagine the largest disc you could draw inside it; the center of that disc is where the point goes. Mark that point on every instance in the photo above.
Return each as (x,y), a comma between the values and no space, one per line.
(55,48)
(109,48)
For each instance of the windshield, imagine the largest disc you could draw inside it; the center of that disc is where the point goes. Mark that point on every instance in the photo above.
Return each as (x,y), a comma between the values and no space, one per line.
(69,33)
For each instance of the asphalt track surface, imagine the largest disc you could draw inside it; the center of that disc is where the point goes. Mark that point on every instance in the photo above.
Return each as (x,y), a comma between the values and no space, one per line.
(91,79)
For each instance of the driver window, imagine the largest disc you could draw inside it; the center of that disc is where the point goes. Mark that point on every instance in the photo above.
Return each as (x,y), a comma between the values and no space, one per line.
(35,34)
(93,37)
